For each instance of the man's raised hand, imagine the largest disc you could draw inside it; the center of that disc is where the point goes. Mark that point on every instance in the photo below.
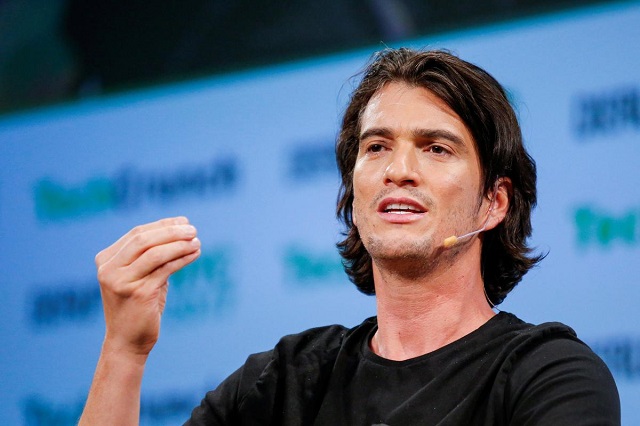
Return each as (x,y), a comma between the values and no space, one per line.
(133,274)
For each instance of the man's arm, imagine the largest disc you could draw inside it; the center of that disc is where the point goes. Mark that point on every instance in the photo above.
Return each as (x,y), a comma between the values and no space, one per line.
(133,274)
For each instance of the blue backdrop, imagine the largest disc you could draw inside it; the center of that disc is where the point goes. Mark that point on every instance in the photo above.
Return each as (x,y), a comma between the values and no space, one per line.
(249,159)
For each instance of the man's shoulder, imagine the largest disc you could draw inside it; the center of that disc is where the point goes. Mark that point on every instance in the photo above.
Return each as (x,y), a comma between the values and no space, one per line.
(329,338)
(508,324)
(301,360)
(320,343)
(548,343)
(525,350)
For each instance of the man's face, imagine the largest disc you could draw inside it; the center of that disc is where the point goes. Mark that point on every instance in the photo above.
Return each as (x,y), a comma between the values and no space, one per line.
(417,175)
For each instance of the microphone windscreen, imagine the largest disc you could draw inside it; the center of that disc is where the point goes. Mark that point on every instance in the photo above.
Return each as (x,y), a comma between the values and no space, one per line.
(451,241)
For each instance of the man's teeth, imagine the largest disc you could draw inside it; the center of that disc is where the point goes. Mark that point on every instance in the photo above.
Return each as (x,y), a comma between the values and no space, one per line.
(401,208)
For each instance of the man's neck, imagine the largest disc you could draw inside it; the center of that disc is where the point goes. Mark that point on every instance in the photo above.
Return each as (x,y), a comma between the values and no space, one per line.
(417,316)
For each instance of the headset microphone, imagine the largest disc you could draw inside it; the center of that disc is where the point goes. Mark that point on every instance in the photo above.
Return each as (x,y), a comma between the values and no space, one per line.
(453,240)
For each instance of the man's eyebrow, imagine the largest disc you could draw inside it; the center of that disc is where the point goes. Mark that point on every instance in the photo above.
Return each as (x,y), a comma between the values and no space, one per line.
(384,132)
(431,134)
(435,134)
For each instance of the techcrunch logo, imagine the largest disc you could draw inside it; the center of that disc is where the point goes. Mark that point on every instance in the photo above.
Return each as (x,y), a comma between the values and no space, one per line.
(607,112)
(312,160)
(601,229)
(621,354)
(158,408)
(202,288)
(130,188)
(307,268)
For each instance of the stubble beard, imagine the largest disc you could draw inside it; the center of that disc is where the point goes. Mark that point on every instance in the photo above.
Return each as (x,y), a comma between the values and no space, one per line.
(408,259)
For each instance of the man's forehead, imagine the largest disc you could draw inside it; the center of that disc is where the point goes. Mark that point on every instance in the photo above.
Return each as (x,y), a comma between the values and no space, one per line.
(396,105)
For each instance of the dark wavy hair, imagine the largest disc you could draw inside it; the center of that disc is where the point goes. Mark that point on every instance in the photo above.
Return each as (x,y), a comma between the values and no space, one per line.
(483,105)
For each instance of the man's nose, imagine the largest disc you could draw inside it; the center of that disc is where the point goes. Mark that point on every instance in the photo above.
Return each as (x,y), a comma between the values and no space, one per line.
(403,167)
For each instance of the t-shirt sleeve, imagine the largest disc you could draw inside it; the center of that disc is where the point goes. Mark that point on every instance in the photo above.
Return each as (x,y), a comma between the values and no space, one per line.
(221,405)
(563,382)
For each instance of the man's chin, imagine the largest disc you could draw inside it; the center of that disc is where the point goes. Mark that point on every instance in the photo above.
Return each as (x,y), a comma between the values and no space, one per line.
(401,250)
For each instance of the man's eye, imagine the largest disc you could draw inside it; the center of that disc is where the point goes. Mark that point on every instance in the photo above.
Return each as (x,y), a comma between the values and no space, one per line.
(375,147)
(437,149)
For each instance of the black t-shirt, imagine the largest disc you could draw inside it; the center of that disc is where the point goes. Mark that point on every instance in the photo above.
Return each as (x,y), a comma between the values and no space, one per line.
(507,372)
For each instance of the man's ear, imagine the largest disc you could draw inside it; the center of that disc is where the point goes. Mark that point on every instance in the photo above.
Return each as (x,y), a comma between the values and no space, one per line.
(499,201)
(353,215)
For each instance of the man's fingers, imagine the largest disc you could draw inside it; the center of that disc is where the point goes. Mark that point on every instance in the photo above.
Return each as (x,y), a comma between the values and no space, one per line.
(158,277)
(108,253)
(141,242)
(159,256)
(131,267)
(162,273)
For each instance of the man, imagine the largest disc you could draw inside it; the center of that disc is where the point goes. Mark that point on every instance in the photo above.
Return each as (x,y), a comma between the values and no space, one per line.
(437,191)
